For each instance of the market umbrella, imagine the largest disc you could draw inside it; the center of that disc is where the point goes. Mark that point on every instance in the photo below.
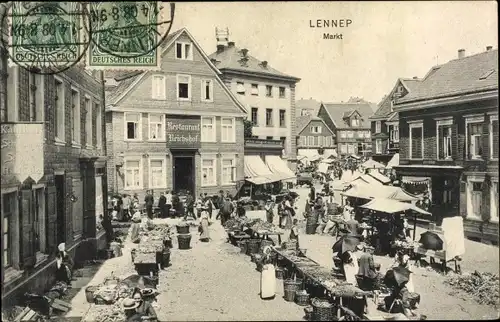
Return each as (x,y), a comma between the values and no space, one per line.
(346,243)
(430,240)
(397,276)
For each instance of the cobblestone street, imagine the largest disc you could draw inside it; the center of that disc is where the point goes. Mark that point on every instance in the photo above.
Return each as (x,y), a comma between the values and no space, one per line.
(211,281)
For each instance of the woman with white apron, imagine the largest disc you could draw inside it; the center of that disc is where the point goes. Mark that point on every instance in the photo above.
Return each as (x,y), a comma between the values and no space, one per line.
(204,235)
(351,267)
(268,276)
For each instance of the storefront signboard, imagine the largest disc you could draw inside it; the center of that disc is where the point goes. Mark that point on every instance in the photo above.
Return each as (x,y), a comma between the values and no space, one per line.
(22,151)
(183,132)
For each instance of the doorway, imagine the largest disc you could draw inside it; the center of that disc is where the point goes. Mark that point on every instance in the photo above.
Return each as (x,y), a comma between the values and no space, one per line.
(183,174)
(61,221)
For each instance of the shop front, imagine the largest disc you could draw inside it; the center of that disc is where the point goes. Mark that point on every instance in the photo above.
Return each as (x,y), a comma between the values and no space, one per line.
(438,186)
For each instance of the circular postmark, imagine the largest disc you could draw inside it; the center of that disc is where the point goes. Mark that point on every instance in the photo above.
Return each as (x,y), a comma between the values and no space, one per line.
(45,37)
(128,29)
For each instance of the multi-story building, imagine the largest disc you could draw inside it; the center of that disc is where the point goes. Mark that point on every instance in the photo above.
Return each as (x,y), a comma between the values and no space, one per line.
(385,122)
(313,136)
(449,141)
(267,94)
(52,167)
(178,128)
(351,125)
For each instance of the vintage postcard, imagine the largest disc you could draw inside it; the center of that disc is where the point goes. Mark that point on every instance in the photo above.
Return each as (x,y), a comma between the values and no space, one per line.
(256,160)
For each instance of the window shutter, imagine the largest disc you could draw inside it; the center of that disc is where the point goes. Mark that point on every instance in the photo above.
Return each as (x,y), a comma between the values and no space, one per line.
(28,257)
(463,199)
(68,208)
(494,133)
(52,219)
(441,142)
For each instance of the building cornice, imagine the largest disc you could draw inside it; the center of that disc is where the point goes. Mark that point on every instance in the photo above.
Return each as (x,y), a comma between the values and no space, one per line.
(173,111)
(238,72)
(457,99)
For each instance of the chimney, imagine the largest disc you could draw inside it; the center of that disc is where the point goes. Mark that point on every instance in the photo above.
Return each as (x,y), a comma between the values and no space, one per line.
(230,44)
(461,53)
(222,36)
(489,48)
(244,52)
(415,77)
(264,64)
(220,48)
(213,60)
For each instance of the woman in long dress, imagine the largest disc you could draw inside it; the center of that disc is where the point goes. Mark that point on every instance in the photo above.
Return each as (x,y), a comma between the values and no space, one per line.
(204,234)
(351,267)
(268,276)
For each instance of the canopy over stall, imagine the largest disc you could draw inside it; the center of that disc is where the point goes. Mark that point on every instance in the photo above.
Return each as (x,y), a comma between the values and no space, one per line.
(365,191)
(348,175)
(327,153)
(327,161)
(371,164)
(393,162)
(279,167)
(323,167)
(366,179)
(379,177)
(257,172)
(392,206)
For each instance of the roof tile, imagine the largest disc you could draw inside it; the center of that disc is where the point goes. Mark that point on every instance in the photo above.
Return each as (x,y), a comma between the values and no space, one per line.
(338,110)
(457,77)
(231,57)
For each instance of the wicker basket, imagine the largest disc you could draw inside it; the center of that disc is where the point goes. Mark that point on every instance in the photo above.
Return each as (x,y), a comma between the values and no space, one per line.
(323,310)
(253,246)
(89,293)
(279,273)
(301,298)
(243,246)
(184,241)
(290,287)
(165,260)
(290,245)
(308,311)
(182,229)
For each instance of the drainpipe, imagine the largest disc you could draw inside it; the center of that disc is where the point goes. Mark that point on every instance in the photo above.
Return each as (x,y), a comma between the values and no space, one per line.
(104,145)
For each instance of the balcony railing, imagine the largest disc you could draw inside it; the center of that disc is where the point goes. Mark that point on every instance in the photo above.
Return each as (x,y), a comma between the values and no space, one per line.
(22,151)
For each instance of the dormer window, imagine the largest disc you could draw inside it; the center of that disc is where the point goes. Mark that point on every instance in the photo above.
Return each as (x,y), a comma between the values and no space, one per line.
(183,51)
(355,122)
(400,89)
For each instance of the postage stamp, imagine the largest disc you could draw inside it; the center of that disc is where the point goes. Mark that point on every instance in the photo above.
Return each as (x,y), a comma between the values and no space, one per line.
(127,35)
(45,37)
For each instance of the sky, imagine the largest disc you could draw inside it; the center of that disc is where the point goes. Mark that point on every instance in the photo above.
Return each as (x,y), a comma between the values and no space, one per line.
(385,41)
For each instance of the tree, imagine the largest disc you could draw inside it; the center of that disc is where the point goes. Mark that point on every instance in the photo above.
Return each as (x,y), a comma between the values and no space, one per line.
(247,128)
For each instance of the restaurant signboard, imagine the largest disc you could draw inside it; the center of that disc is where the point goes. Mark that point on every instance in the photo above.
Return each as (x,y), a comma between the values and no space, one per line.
(183,132)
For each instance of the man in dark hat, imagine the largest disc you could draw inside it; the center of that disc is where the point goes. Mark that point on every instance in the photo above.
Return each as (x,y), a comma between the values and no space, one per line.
(149,201)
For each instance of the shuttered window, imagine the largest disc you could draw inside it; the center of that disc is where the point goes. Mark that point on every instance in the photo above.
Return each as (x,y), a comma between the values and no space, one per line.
(494,137)
(416,141)
(474,136)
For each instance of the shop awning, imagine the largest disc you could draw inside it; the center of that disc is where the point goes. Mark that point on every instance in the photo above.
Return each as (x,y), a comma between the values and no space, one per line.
(279,167)
(371,164)
(379,177)
(348,176)
(327,161)
(393,162)
(257,172)
(330,153)
(391,206)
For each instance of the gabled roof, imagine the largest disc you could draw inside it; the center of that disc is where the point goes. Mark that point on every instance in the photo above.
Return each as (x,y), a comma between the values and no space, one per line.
(470,74)
(230,59)
(128,83)
(303,121)
(384,110)
(337,111)
(308,104)
(394,117)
